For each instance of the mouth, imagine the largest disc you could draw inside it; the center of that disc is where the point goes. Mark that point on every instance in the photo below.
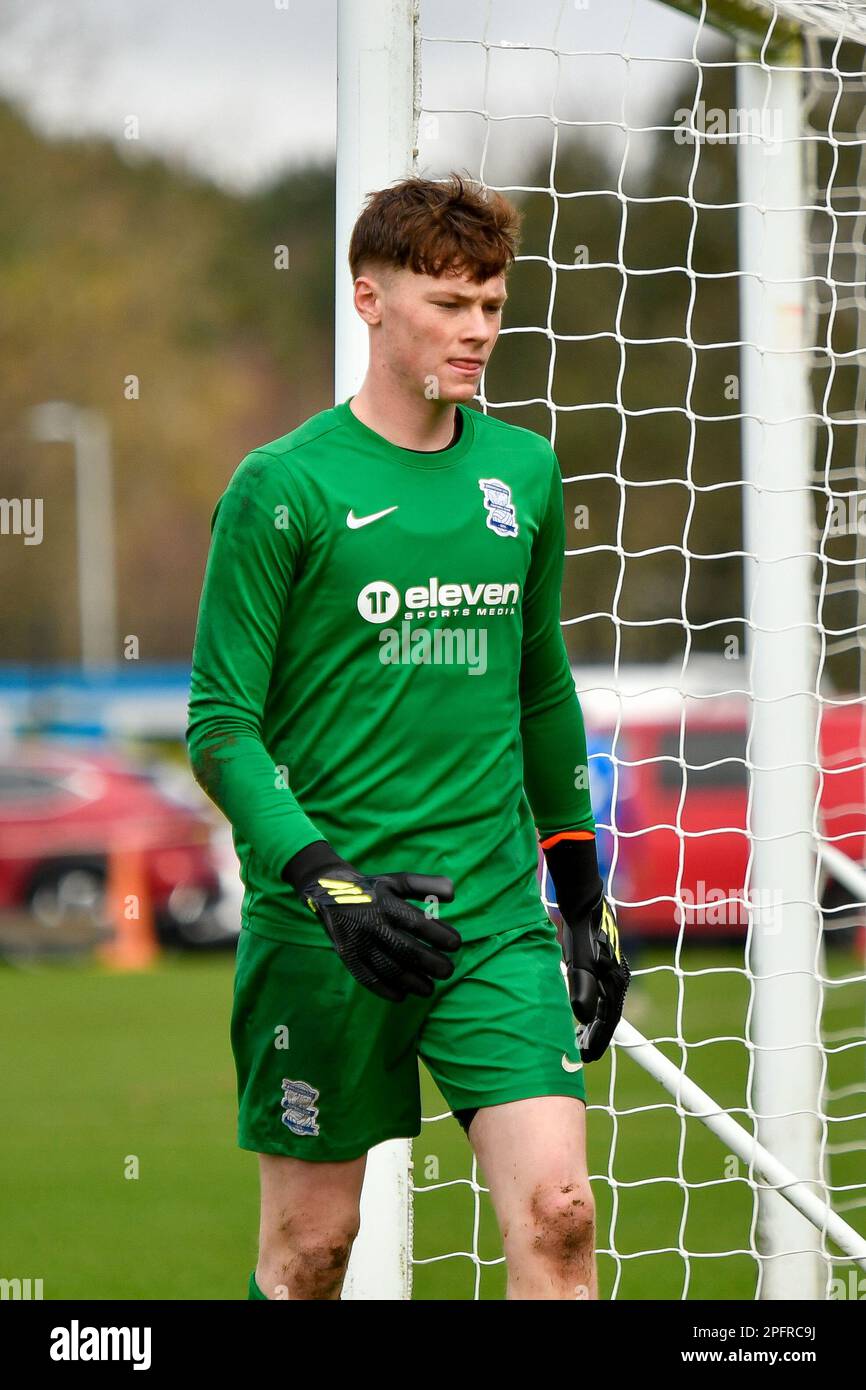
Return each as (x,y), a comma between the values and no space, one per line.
(469,366)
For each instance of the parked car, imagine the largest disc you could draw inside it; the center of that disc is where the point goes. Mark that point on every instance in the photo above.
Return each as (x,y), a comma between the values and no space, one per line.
(64,811)
(610,785)
(683,847)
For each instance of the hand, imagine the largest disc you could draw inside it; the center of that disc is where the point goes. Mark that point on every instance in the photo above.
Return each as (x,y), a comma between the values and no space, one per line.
(598,976)
(388,945)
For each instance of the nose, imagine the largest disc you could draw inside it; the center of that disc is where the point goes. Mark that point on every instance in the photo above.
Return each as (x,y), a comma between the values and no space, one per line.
(477,327)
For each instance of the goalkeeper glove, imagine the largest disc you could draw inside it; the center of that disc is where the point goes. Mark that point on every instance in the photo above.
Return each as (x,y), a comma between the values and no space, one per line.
(597,971)
(389,946)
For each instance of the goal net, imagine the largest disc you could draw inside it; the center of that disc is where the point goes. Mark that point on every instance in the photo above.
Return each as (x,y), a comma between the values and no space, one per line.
(686,324)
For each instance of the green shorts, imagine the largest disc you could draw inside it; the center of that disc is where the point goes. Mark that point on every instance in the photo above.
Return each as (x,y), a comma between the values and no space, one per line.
(326,1069)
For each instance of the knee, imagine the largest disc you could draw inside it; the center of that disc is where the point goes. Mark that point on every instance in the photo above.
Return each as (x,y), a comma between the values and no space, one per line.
(295,1230)
(310,1265)
(562,1221)
(308,1256)
(319,1262)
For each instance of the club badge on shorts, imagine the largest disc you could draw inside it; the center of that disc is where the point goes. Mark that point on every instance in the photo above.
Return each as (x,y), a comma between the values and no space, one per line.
(501,516)
(300,1114)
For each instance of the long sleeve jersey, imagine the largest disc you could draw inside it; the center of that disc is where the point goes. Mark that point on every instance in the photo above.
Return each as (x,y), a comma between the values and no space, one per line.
(379,663)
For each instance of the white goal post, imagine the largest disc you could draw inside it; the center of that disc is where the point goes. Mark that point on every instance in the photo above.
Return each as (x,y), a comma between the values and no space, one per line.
(790,59)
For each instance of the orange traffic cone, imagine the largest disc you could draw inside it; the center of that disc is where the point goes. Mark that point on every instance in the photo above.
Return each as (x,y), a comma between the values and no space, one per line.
(134,945)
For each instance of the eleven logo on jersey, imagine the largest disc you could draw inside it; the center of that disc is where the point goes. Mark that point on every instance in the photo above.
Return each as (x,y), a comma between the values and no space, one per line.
(379,601)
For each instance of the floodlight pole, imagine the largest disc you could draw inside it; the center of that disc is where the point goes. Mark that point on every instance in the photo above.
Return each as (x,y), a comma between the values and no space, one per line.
(61,422)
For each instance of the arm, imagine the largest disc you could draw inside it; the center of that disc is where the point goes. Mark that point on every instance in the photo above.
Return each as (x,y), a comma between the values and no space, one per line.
(555,764)
(258,534)
(556,778)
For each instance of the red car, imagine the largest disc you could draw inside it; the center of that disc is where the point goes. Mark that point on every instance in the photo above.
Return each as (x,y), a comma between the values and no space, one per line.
(63,812)
(695,876)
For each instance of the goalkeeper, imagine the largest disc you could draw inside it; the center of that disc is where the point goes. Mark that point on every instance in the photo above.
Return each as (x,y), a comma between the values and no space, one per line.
(382,706)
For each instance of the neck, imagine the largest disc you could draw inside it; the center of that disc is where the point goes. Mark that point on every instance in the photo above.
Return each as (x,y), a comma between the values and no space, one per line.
(409,422)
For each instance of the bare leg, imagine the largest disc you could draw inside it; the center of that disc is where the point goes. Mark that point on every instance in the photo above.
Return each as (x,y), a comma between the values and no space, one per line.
(310,1215)
(533,1155)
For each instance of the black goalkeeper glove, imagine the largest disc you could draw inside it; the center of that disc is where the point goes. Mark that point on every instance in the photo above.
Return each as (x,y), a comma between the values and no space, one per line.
(388,945)
(598,977)
(597,971)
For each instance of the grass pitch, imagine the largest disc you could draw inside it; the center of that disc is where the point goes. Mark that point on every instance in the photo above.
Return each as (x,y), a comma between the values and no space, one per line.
(120,1177)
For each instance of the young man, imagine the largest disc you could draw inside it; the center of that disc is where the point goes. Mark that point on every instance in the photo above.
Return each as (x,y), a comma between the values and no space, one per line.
(382,706)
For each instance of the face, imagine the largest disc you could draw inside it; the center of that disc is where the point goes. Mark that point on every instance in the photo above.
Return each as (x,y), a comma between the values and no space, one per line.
(435,333)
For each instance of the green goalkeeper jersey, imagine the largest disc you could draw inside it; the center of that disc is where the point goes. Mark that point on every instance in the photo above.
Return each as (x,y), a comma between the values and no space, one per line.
(379,663)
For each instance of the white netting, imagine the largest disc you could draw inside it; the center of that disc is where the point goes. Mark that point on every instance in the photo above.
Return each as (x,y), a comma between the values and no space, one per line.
(618,130)
(834,116)
(830,18)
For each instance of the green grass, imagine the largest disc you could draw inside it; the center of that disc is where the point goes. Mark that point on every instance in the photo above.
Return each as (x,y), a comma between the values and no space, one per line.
(106,1076)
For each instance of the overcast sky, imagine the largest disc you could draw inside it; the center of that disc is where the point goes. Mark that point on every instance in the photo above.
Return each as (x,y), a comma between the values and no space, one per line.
(241,89)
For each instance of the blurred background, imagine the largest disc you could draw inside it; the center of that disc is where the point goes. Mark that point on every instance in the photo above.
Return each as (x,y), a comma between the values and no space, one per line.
(167,264)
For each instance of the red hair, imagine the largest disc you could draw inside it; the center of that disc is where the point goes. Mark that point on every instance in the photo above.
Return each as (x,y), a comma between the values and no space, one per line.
(432,227)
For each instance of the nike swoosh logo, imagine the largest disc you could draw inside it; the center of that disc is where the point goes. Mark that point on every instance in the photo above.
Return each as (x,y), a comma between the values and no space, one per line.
(353,522)
(570,1066)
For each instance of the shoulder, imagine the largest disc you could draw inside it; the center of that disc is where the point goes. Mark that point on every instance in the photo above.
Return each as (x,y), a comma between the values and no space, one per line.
(280,465)
(521,458)
(305,436)
(519,443)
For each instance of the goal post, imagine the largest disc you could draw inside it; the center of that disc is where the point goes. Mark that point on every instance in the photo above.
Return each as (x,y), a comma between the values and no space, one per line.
(381,107)
(781,637)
